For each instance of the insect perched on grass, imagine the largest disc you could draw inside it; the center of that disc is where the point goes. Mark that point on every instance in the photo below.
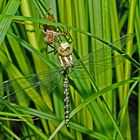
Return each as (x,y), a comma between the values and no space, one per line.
(68,67)
(55,35)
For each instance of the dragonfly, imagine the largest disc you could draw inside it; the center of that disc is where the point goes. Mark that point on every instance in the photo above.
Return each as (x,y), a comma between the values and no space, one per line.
(68,67)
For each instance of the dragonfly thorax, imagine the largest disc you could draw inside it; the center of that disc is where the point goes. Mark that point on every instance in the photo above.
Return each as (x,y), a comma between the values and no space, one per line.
(65,55)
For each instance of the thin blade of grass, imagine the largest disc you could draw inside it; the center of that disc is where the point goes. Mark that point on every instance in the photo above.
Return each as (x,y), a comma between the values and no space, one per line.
(10,9)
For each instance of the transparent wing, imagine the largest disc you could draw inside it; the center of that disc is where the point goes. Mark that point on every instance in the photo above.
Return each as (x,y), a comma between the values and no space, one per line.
(100,60)
(26,86)
(123,40)
(94,64)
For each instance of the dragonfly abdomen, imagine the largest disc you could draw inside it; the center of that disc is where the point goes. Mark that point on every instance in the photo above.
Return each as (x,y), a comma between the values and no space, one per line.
(66,99)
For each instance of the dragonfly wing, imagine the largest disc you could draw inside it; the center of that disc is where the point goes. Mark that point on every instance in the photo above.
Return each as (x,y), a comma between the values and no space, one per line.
(90,64)
(123,40)
(100,60)
(29,87)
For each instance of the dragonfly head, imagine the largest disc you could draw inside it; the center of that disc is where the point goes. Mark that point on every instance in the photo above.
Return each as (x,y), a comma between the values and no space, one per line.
(65,50)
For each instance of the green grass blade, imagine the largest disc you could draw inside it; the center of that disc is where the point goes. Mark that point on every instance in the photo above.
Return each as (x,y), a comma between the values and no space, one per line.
(10,9)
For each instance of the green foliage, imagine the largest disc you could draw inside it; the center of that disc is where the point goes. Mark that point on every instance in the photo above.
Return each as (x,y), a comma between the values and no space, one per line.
(100,99)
